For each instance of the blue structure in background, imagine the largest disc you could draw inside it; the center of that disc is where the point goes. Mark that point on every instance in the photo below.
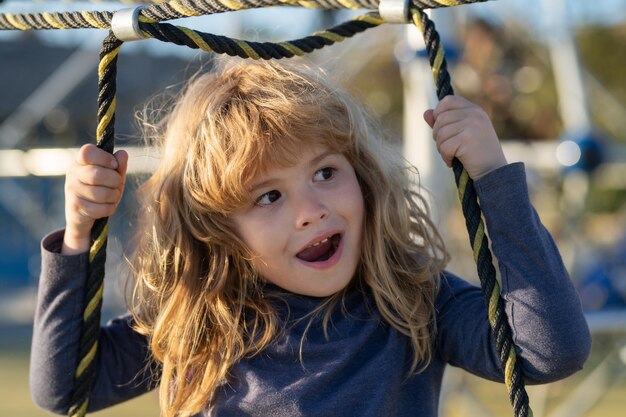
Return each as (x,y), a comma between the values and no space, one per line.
(19,246)
(603,282)
(20,260)
(16,248)
(592,152)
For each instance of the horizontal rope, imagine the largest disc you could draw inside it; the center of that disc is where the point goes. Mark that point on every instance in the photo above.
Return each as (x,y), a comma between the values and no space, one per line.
(260,50)
(176,9)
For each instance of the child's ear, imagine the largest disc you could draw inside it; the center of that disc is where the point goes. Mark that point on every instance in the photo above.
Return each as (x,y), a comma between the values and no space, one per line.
(429,117)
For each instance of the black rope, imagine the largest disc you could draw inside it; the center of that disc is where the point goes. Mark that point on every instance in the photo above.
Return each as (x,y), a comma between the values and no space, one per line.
(266,50)
(473,221)
(90,332)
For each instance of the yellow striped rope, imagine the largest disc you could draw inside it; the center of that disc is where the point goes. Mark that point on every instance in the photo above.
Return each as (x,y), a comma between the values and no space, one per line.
(247,49)
(55,23)
(462,184)
(329,35)
(82,410)
(144,19)
(98,243)
(478,240)
(89,18)
(195,38)
(104,62)
(493,304)
(349,4)
(232,4)
(447,3)
(436,67)
(12,20)
(372,18)
(291,48)
(180,8)
(86,360)
(104,123)
(509,367)
(93,303)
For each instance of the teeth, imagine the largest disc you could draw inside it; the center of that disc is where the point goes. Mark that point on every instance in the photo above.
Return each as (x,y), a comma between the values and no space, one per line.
(319,243)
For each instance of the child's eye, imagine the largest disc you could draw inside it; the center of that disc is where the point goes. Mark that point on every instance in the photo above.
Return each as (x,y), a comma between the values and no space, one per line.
(324,174)
(268,198)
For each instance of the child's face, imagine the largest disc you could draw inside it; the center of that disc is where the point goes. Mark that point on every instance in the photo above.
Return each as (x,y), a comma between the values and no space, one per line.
(306,225)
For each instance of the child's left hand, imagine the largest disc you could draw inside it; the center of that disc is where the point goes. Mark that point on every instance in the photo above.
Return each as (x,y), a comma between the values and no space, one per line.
(463,130)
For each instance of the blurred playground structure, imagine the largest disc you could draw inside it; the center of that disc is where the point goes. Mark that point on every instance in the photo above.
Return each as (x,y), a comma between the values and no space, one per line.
(557,98)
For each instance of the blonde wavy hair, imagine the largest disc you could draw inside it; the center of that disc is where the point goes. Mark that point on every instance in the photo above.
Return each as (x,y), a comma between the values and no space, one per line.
(196,296)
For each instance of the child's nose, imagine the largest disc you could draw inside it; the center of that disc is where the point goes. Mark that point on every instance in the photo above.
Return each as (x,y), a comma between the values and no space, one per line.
(309,211)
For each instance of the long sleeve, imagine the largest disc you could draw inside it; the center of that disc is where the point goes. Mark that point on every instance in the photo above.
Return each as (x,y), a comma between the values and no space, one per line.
(543,308)
(122,366)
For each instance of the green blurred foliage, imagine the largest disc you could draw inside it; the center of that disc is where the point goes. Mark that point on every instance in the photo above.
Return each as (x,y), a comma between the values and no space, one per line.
(602,52)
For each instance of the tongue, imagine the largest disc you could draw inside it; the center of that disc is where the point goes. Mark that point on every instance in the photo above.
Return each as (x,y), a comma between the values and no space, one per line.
(315,252)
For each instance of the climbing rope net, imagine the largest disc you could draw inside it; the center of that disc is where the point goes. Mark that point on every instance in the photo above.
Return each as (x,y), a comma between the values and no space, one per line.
(147,21)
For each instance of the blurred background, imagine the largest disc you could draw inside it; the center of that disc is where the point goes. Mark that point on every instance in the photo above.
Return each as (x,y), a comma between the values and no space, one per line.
(551,74)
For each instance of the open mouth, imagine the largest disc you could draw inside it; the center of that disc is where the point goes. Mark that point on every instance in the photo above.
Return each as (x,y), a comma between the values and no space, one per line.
(320,251)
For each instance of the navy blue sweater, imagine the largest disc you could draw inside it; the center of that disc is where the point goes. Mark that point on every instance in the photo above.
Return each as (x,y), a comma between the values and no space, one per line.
(361,369)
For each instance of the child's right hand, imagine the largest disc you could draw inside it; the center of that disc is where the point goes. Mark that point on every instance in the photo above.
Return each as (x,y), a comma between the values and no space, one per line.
(93,188)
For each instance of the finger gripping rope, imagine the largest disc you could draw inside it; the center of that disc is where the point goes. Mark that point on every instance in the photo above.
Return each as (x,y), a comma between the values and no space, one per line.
(147,23)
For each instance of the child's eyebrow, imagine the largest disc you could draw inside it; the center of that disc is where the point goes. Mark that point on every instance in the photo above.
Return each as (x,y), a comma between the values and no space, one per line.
(261,184)
(322,156)
(314,161)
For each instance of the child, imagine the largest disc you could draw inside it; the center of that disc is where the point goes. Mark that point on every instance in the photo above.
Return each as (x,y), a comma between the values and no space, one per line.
(286,266)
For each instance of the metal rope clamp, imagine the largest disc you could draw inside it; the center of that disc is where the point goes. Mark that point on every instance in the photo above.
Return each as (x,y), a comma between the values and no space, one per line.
(125,24)
(394,11)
